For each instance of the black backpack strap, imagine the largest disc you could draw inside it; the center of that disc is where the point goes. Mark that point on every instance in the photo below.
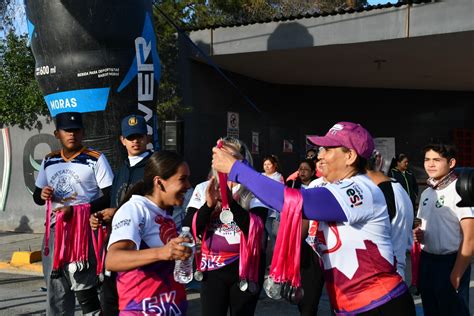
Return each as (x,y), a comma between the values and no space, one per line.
(387,190)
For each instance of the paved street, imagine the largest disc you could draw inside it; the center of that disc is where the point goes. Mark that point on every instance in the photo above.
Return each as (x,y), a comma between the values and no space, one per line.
(22,294)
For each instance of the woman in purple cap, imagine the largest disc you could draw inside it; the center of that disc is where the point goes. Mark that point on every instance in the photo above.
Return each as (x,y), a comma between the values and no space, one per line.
(354,228)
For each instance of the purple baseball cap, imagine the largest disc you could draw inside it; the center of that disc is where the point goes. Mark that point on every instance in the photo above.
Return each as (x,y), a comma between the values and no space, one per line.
(349,135)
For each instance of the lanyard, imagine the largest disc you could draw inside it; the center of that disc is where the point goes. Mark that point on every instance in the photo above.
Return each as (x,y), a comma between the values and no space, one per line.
(250,249)
(47,231)
(223,183)
(285,265)
(98,243)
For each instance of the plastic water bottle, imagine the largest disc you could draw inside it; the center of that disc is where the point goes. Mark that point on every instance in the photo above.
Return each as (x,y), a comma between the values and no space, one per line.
(183,269)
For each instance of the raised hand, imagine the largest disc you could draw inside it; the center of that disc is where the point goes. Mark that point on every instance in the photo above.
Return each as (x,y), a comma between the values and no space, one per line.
(222,160)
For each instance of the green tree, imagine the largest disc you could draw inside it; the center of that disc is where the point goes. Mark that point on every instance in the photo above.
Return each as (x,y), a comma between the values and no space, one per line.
(21,101)
(184,14)
(169,105)
(188,14)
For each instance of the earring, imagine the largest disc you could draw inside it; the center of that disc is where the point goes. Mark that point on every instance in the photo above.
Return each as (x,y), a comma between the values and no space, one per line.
(162,187)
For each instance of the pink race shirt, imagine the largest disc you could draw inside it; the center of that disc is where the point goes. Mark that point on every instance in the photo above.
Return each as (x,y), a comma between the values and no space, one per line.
(222,244)
(151,289)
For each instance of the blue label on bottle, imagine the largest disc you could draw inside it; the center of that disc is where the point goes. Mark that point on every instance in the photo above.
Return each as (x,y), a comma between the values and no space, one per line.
(85,100)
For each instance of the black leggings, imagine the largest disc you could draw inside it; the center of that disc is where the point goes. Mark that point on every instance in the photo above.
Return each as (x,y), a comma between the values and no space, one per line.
(312,281)
(220,291)
(109,295)
(88,300)
(401,305)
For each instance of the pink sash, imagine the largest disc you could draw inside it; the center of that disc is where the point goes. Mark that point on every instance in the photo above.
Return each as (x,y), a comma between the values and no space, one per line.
(285,266)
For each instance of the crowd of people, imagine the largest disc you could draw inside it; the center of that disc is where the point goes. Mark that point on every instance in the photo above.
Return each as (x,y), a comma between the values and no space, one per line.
(357,224)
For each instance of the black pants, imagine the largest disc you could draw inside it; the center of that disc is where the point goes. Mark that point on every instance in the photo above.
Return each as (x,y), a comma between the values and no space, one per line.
(312,281)
(437,294)
(402,305)
(109,295)
(220,291)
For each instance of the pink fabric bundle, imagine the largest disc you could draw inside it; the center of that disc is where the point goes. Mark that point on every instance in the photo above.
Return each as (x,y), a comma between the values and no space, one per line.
(415,262)
(250,249)
(99,248)
(71,244)
(285,266)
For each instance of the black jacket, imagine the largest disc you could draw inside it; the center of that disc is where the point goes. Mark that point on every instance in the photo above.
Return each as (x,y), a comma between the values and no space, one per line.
(408,182)
(125,178)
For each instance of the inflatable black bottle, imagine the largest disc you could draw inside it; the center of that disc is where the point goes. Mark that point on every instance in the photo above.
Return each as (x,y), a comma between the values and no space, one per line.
(98,57)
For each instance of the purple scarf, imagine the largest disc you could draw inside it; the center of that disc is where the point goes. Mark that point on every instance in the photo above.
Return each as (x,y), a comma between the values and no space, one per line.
(442,183)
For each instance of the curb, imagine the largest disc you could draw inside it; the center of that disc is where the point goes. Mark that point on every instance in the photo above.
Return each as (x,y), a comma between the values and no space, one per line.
(21,258)
(29,269)
(23,262)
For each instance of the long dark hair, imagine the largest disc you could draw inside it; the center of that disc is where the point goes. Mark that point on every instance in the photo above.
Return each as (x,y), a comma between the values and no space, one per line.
(398,158)
(274,160)
(163,163)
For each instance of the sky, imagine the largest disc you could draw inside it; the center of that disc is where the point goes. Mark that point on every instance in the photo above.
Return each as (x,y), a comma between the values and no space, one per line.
(19,17)
(20,20)
(372,2)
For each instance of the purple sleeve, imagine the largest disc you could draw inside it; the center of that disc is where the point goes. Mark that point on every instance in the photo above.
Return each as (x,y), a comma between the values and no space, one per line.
(318,203)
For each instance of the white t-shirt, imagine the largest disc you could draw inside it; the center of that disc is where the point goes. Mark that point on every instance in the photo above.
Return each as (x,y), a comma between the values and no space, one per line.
(77,180)
(357,253)
(199,195)
(440,219)
(141,220)
(133,160)
(402,236)
(316,183)
(277,177)
(367,219)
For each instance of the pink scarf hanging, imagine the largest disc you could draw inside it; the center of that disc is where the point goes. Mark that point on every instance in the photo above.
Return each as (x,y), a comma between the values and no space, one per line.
(285,267)
(71,244)
(415,253)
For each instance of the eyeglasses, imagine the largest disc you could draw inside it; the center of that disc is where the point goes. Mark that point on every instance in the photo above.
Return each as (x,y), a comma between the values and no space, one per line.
(304,169)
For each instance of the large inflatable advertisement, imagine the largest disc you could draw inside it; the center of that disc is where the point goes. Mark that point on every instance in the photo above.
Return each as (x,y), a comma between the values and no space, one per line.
(99,58)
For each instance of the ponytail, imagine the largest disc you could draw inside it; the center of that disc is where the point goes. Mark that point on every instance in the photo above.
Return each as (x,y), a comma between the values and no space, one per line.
(137,189)
(162,163)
